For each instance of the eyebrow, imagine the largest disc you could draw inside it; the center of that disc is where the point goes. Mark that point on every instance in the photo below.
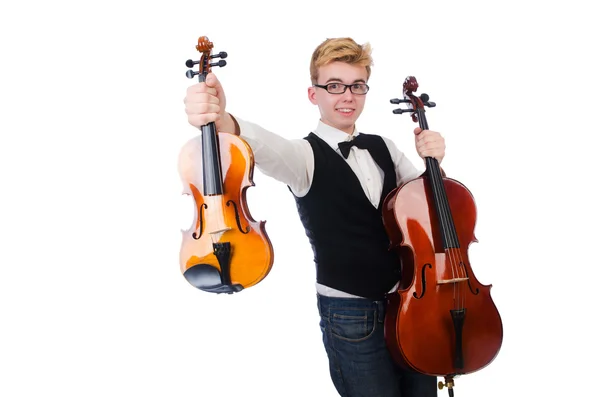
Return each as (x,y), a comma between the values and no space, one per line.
(335,79)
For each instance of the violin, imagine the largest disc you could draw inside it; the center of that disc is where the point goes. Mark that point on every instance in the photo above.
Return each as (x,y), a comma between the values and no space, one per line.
(225,250)
(441,320)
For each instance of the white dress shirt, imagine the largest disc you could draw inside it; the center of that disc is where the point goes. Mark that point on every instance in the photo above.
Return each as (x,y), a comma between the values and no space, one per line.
(291,161)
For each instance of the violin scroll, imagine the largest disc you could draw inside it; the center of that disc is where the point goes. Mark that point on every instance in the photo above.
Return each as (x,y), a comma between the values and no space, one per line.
(205,47)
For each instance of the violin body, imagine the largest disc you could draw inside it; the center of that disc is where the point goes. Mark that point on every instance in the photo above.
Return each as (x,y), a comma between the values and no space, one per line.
(440,321)
(419,327)
(223,219)
(225,250)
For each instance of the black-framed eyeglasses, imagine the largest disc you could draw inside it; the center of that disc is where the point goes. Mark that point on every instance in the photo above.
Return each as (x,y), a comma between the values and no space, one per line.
(339,88)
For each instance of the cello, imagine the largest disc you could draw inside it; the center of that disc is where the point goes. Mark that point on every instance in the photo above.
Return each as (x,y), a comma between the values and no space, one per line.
(441,320)
(225,250)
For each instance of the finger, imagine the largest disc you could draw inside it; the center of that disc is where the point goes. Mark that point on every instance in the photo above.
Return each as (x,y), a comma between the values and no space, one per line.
(435,144)
(418,130)
(202,108)
(430,143)
(199,120)
(428,148)
(200,88)
(202,97)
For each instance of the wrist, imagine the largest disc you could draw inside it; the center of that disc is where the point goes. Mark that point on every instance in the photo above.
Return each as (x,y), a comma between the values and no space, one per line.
(230,125)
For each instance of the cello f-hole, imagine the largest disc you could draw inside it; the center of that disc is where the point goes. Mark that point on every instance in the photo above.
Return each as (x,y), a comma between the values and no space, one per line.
(423,281)
(476,292)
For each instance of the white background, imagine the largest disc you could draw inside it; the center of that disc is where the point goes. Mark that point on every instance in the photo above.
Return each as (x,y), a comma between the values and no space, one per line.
(92,302)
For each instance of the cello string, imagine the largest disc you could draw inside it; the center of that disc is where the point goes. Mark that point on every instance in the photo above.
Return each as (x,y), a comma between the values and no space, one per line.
(437,186)
(448,232)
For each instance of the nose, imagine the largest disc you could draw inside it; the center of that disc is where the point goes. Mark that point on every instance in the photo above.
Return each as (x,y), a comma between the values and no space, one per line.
(347,95)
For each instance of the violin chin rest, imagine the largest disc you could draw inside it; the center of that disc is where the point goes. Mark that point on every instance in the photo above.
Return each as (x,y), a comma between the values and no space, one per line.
(208,278)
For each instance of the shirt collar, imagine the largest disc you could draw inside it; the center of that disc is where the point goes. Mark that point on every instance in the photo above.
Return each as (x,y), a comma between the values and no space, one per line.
(332,135)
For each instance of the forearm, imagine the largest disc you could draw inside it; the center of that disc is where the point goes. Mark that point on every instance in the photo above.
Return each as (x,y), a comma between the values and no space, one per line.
(283,159)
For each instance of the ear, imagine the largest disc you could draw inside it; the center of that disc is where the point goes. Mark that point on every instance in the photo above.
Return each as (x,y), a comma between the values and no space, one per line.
(312,95)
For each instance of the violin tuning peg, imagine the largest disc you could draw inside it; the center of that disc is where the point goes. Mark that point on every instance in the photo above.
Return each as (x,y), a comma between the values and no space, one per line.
(400,111)
(189,63)
(221,63)
(221,54)
(190,74)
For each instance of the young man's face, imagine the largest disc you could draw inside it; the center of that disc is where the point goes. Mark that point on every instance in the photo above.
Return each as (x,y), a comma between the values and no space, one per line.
(339,110)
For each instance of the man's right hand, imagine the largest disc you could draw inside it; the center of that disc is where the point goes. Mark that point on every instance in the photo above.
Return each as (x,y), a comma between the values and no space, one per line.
(205,102)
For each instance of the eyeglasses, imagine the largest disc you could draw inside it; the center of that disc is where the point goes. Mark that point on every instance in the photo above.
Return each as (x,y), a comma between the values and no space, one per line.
(339,88)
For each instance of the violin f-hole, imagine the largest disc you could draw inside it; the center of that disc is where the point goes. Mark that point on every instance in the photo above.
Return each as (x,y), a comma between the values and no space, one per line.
(237,217)
(197,234)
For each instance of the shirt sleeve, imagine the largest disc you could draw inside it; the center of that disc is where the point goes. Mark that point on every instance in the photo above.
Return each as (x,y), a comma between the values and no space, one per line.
(289,161)
(405,169)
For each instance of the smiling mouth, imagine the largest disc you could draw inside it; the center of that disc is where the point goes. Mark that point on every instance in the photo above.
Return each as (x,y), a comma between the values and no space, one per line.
(345,110)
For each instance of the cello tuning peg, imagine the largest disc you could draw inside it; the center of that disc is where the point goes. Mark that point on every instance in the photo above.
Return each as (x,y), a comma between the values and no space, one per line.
(425,98)
(221,54)
(221,63)
(190,74)
(396,101)
(189,63)
(400,111)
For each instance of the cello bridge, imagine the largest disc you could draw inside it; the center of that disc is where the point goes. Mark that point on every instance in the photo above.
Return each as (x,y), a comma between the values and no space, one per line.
(453,280)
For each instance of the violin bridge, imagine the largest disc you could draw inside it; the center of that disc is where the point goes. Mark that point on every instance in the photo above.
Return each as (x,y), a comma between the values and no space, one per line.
(225,229)
(453,280)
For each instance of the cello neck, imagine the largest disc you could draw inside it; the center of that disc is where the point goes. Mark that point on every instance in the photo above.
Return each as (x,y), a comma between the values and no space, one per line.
(432,167)
(440,199)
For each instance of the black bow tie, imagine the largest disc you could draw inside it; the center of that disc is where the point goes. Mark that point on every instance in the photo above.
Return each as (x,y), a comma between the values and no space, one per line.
(360,141)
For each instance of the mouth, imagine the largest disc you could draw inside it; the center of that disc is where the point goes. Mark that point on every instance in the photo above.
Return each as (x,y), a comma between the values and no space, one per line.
(345,111)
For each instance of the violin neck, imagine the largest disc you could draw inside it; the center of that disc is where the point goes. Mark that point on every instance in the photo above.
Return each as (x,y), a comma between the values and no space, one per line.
(211,161)
(440,199)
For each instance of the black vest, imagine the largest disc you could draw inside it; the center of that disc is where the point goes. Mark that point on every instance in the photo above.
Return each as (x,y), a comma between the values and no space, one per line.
(350,245)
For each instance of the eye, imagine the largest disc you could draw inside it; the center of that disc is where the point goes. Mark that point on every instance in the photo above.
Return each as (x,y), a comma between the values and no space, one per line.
(334,86)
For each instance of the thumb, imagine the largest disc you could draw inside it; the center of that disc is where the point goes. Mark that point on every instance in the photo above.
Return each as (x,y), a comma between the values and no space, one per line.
(418,130)
(213,82)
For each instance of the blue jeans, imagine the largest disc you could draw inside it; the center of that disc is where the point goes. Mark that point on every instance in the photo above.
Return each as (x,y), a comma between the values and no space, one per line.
(359,362)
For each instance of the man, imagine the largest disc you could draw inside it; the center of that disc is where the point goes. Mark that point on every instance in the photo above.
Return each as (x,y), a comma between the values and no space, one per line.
(339,193)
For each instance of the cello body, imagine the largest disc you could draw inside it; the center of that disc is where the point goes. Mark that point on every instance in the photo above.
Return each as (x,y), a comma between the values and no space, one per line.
(418,324)
(225,250)
(441,320)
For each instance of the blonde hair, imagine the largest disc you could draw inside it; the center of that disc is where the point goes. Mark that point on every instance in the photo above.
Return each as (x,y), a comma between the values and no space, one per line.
(342,49)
